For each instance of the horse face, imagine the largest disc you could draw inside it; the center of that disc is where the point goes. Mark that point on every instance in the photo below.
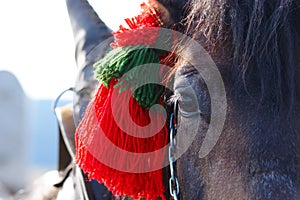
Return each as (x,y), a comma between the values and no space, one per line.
(257,155)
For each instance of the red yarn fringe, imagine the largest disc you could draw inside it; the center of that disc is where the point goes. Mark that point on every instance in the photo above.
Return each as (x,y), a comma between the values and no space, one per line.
(128,163)
(139,31)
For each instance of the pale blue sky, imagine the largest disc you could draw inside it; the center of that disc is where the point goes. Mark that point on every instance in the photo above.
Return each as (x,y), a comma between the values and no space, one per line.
(36,42)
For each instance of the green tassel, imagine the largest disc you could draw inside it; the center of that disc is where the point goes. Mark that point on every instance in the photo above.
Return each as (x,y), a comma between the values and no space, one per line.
(120,61)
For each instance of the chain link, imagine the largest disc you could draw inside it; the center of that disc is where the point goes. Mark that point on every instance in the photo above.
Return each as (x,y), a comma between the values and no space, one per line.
(173,181)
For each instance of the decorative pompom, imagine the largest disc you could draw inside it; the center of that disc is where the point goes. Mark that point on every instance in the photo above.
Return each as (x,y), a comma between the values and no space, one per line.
(119,122)
(139,31)
(99,140)
(122,61)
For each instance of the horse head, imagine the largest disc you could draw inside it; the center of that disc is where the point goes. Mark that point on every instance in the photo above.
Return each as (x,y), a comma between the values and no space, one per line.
(255,46)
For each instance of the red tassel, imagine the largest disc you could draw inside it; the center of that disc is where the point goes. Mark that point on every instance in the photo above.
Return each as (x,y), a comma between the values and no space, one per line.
(139,31)
(127,164)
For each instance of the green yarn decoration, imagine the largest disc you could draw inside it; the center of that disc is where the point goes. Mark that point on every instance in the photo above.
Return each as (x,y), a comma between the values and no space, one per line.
(120,61)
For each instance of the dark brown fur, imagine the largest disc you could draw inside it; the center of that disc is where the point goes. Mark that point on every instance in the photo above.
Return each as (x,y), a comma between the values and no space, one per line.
(256,46)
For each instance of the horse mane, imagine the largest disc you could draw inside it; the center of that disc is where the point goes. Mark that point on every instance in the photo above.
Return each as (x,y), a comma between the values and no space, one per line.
(253,37)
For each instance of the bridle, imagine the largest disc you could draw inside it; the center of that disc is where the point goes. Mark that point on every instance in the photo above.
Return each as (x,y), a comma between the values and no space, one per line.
(174,188)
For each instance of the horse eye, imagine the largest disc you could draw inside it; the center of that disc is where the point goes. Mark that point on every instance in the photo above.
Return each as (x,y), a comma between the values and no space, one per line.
(193,96)
(188,104)
(188,107)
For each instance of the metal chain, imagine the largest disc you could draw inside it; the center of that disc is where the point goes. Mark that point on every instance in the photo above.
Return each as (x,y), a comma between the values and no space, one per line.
(173,181)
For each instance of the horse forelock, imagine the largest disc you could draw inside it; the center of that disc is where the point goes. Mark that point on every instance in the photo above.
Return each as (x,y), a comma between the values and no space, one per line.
(253,37)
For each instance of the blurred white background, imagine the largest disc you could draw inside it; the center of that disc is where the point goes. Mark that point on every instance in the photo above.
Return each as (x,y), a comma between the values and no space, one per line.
(36,42)
(36,46)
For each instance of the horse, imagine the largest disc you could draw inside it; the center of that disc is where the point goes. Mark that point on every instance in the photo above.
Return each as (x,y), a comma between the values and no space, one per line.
(255,46)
